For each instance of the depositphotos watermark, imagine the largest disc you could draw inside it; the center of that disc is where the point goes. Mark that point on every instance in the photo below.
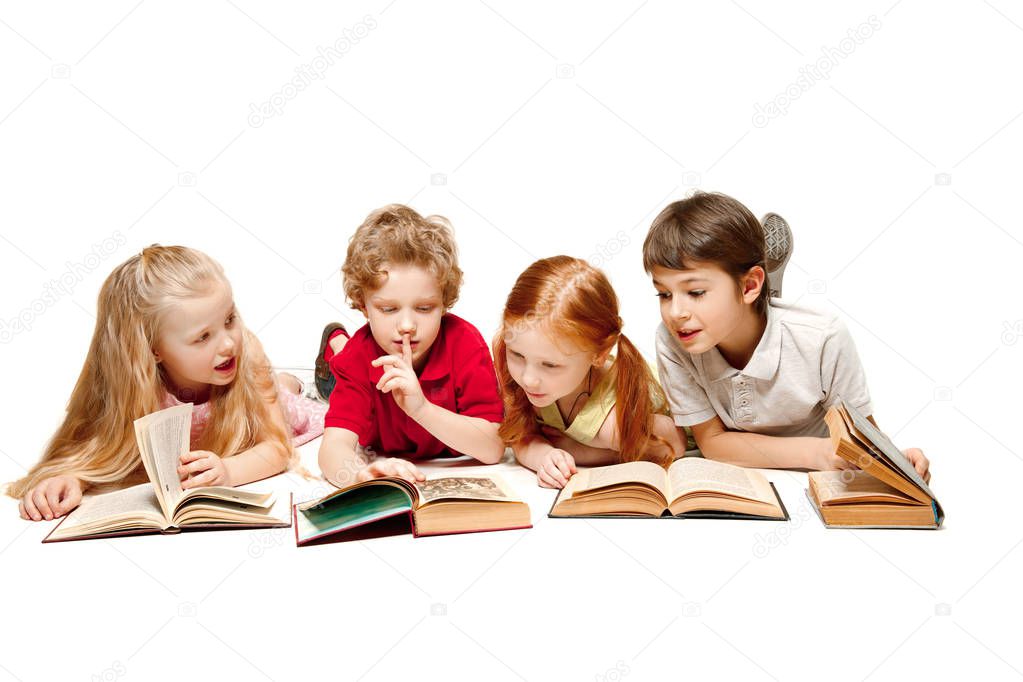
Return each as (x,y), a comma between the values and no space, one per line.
(326,57)
(74,273)
(811,74)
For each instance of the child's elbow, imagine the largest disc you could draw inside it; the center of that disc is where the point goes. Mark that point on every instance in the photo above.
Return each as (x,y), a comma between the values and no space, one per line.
(285,457)
(493,453)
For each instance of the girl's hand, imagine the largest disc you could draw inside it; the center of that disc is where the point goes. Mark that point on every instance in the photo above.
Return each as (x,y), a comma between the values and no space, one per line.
(391,466)
(51,498)
(919,461)
(201,467)
(556,467)
(400,379)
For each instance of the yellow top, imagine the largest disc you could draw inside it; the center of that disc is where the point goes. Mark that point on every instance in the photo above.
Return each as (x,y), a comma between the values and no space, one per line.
(594,412)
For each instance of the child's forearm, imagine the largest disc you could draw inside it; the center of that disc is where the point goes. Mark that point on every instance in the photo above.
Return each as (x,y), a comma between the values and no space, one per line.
(531,454)
(469,435)
(339,457)
(765,452)
(586,455)
(262,460)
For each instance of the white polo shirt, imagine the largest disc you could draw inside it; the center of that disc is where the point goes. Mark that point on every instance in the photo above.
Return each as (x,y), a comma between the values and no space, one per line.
(804,362)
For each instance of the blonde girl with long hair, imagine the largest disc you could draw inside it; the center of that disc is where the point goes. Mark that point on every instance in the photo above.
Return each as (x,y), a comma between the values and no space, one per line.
(167,332)
(576,391)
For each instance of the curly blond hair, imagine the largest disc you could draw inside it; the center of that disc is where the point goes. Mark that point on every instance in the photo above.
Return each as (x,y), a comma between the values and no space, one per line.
(396,234)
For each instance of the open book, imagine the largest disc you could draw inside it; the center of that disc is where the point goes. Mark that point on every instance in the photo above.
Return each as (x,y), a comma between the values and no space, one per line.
(886,491)
(436,506)
(161,506)
(690,487)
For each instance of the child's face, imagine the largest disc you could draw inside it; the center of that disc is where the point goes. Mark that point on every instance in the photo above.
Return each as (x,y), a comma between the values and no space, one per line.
(546,371)
(408,303)
(200,342)
(703,306)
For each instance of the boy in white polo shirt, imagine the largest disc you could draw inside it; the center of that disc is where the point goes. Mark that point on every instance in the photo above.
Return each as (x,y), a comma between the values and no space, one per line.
(753,376)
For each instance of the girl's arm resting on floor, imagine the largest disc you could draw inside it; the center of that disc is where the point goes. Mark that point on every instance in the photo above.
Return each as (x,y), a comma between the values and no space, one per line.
(264,459)
(533,454)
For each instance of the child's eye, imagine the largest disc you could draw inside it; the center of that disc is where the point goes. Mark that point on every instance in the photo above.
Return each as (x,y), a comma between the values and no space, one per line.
(425,308)
(515,355)
(663,295)
(550,365)
(203,338)
(231,319)
(387,309)
(697,293)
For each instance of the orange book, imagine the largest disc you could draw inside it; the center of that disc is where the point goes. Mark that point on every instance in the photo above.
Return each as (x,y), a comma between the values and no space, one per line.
(884,491)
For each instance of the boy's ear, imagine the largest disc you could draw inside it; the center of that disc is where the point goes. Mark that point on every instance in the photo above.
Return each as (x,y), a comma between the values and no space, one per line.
(752,283)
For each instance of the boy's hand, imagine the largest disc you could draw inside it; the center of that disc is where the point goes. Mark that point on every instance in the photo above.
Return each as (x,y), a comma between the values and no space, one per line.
(391,466)
(556,467)
(51,498)
(400,379)
(825,458)
(919,461)
(201,467)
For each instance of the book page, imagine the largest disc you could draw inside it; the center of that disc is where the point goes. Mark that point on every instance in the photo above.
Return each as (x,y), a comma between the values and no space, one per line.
(619,474)
(886,446)
(138,501)
(692,474)
(853,485)
(162,438)
(462,488)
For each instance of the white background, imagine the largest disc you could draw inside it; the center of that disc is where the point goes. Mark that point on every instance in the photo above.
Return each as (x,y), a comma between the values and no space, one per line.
(537,130)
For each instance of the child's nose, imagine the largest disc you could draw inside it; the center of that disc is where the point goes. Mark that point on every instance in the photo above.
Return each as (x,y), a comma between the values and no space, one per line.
(529,379)
(678,310)
(406,325)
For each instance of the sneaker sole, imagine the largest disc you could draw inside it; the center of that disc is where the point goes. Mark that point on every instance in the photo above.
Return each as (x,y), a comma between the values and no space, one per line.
(779,242)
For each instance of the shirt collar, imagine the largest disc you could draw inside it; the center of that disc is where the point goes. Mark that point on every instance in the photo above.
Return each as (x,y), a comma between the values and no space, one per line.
(764,362)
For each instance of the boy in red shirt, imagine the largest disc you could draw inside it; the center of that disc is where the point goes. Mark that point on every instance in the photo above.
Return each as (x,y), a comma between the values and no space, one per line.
(415,382)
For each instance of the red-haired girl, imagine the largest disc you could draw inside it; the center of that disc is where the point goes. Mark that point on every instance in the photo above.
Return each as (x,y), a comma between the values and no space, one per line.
(576,391)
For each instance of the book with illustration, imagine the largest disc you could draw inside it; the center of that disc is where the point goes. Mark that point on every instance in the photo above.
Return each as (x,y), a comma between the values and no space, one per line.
(436,506)
(883,491)
(691,487)
(161,506)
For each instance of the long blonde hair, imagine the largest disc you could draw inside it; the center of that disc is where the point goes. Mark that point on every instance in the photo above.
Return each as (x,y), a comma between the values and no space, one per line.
(121,380)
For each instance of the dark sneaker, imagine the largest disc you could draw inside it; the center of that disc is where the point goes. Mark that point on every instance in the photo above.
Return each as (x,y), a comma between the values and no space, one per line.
(322,375)
(778,236)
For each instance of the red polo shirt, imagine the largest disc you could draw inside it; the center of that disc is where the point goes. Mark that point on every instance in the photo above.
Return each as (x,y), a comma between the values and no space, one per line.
(458,376)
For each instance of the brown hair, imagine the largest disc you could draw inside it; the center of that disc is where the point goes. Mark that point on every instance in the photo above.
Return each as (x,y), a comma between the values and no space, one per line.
(708,227)
(575,300)
(398,235)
